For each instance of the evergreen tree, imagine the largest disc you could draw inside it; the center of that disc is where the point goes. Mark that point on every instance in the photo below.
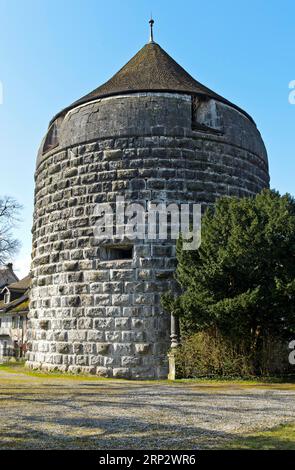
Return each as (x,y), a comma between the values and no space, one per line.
(241,281)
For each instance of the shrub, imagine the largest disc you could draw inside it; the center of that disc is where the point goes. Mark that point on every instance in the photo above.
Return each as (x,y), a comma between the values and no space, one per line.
(205,354)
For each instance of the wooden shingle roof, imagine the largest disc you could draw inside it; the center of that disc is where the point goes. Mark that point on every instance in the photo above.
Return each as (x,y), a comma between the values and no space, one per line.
(151,69)
(21,285)
(21,304)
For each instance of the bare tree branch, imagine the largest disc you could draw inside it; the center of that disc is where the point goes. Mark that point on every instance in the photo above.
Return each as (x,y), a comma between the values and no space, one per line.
(9,217)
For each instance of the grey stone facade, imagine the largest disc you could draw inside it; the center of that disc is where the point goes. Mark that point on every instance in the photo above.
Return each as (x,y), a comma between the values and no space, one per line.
(102,316)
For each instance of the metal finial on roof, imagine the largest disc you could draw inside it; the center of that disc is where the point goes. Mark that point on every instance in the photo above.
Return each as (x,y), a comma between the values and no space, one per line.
(151,22)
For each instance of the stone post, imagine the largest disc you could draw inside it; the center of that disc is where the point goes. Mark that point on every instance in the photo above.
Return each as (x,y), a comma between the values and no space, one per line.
(174,344)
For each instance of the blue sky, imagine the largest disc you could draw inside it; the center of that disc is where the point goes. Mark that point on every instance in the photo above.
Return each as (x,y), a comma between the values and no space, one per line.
(54,51)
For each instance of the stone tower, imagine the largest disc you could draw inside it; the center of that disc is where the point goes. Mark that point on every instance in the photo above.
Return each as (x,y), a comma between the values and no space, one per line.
(152,133)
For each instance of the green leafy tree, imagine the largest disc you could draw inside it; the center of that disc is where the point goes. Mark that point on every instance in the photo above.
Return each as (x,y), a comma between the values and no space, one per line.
(241,281)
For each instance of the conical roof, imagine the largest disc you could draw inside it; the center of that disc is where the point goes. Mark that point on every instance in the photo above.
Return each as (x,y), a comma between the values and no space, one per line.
(151,69)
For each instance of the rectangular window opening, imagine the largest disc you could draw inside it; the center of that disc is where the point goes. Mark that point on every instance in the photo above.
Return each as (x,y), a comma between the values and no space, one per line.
(117,253)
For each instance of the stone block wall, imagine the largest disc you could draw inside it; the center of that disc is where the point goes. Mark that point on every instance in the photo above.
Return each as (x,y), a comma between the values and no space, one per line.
(101,316)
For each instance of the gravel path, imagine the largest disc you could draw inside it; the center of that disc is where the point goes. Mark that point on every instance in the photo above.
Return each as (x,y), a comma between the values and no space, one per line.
(48,413)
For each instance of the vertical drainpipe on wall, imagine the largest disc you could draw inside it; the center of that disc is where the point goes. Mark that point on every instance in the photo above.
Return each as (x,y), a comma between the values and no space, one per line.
(174,344)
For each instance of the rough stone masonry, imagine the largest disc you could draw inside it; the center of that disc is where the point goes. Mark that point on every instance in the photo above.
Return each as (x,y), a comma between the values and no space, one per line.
(150,134)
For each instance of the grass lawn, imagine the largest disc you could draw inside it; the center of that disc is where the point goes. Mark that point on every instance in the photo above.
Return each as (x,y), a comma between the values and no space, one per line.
(267,382)
(280,438)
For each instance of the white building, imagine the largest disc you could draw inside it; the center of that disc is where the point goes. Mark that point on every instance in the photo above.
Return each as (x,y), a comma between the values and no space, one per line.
(14,307)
